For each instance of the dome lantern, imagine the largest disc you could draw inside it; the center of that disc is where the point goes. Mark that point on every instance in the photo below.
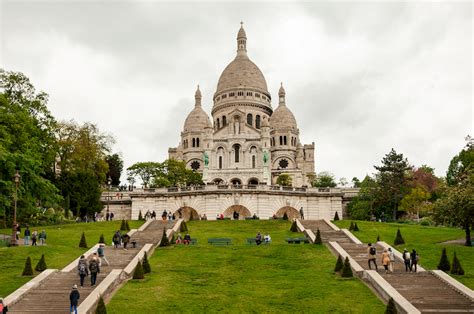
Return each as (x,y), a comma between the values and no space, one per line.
(197,97)
(241,40)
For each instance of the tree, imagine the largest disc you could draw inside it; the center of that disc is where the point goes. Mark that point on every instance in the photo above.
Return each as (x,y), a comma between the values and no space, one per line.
(339,264)
(391,308)
(336,216)
(461,164)
(355,182)
(318,237)
(444,262)
(183,227)
(356,228)
(115,163)
(285,216)
(28,270)
(41,264)
(146,264)
(343,182)
(351,227)
(284,179)
(424,177)
(123,226)
(324,180)
(392,180)
(294,227)
(138,273)
(83,242)
(456,268)
(140,216)
(101,239)
(144,170)
(101,309)
(413,202)
(164,239)
(346,269)
(174,173)
(399,238)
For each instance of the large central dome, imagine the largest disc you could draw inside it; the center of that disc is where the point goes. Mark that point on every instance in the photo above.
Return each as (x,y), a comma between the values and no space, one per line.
(242,73)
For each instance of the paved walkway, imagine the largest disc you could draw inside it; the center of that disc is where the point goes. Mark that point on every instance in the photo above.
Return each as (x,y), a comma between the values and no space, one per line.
(52,296)
(424,290)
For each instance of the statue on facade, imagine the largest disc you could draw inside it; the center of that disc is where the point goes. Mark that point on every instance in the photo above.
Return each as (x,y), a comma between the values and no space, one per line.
(205,157)
(265,157)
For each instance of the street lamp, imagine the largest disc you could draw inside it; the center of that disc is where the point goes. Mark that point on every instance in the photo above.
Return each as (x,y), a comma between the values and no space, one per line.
(16,179)
(109,182)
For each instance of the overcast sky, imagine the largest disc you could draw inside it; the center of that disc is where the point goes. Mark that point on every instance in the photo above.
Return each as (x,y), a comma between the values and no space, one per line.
(360,78)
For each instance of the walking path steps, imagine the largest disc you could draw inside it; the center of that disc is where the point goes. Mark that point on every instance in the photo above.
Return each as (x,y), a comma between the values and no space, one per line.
(52,295)
(424,290)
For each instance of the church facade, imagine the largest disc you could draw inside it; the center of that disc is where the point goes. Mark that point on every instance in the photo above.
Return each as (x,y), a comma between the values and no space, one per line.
(246,142)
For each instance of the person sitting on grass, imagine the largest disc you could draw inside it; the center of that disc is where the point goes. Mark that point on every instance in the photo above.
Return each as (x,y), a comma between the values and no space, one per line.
(267,238)
(258,238)
(187,239)
(179,239)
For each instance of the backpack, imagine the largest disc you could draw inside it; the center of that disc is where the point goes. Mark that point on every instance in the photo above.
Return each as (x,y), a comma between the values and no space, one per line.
(100,251)
(82,268)
(407,255)
(372,250)
(94,267)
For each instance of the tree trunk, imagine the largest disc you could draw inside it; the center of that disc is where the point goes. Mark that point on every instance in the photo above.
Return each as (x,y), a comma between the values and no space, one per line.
(468,235)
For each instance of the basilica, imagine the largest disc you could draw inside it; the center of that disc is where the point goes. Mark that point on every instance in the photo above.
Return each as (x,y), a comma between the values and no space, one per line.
(247,142)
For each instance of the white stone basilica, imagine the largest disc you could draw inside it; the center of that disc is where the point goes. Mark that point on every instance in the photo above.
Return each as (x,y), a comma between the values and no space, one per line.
(248,142)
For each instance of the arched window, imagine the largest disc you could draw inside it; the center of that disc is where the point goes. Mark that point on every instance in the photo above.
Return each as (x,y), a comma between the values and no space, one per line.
(194,142)
(257,122)
(218,124)
(224,121)
(284,140)
(249,119)
(253,161)
(281,140)
(236,148)
(197,142)
(220,162)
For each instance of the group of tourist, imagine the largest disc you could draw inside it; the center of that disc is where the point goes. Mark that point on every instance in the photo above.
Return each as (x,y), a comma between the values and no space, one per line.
(121,240)
(266,239)
(388,259)
(33,236)
(180,240)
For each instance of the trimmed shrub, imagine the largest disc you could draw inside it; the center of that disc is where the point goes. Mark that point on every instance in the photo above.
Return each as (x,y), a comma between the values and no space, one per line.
(318,238)
(444,264)
(164,239)
(339,264)
(351,227)
(293,227)
(123,226)
(146,264)
(285,216)
(456,268)
(101,239)
(41,264)
(346,269)
(378,238)
(336,216)
(28,270)
(183,227)
(101,309)
(391,309)
(399,238)
(138,273)
(127,226)
(356,228)
(140,216)
(83,242)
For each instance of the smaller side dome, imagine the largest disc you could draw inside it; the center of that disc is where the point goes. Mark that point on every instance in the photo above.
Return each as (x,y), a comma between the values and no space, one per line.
(282,117)
(197,119)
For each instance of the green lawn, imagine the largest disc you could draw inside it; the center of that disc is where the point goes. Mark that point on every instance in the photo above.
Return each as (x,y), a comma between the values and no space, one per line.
(61,249)
(426,240)
(244,278)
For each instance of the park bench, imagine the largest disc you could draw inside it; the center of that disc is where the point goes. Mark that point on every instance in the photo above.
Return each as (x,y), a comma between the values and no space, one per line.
(254,241)
(219,241)
(297,240)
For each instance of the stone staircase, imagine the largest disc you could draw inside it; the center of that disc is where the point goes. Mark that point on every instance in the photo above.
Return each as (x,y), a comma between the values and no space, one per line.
(52,296)
(423,290)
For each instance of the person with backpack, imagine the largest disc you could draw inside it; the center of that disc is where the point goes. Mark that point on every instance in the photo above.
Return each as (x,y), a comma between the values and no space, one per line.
(42,237)
(101,253)
(3,307)
(34,237)
(82,269)
(414,260)
(406,260)
(94,269)
(116,239)
(27,236)
(74,297)
(125,240)
(372,256)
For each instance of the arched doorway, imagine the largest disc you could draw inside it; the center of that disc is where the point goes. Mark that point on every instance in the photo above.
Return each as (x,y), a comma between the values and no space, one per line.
(291,212)
(187,213)
(236,181)
(242,210)
(218,181)
(253,181)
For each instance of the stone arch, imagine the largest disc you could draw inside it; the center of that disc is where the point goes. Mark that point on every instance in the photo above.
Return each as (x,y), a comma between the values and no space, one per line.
(235,181)
(291,212)
(242,210)
(218,181)
(187,213)
(291,162)
(252,181)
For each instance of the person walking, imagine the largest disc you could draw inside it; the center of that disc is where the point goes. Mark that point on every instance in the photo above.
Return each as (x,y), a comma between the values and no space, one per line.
(125,240)
(301,213)
(372,255)
(392,259)
(101,253)
(42,237)
(406,260)
(385,260)
(414,261)
(3,307)
(94,269)
(82,269)
(117,238)
(27,235)
(74,297)
(164,215)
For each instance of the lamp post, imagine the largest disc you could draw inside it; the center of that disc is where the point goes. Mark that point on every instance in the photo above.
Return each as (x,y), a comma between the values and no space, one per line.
(109,182)
(16,179)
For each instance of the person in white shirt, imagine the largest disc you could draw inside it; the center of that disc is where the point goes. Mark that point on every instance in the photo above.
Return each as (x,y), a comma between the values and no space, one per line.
(267,238)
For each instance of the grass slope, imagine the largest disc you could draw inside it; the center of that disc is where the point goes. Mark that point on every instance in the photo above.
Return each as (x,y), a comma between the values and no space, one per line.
(244,278)
(425,239)
(62,248)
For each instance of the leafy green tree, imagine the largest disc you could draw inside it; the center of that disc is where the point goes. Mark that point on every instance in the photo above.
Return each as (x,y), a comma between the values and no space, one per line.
(174,173)
(284,179)
(392,181)
(343,182)
(115,163)
(144,170)
(82,188)
(355,182)
(324,180)
(461,164)
(413,202)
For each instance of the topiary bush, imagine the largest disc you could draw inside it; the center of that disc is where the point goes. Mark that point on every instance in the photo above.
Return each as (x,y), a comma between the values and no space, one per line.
(140,216)
(127,226)
(83,242)
(339,264)
(351,227)
(285,216)
(146,264)
(138,273)
(101,239)
(101,309)
(356,228)
(346,269)
(399,238)
(378,238)
(391,308)
(293,227)
(123,226)
(336,216)
(41,264)
(183,227)
(444,264)
(28,270)
(318,238)
(164,239)
(456,268)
